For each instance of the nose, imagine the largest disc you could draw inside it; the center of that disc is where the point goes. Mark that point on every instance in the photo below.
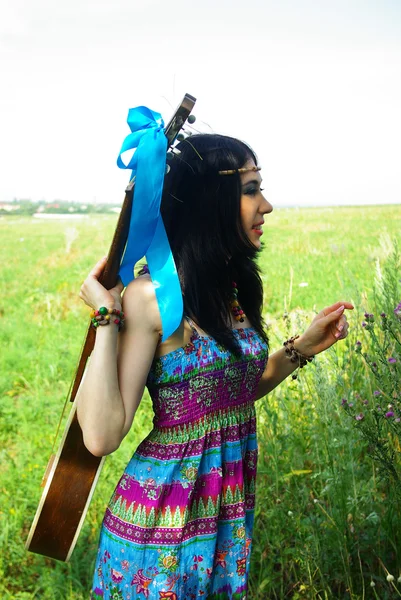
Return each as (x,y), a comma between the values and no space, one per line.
(266,207)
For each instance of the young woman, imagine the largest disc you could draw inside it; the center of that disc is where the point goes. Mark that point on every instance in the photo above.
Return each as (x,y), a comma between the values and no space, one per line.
(179,524)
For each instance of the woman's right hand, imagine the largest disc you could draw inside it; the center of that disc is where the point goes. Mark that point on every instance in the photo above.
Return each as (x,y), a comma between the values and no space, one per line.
(95,295)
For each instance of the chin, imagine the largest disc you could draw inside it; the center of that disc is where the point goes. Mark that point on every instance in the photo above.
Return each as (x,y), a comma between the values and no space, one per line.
(256,244)
(255,240)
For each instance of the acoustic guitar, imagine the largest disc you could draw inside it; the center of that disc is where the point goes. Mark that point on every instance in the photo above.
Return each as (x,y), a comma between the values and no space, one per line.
(72,473)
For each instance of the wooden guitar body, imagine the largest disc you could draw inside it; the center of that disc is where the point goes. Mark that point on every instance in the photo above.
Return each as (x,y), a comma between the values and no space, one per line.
(71,479)
(72,473)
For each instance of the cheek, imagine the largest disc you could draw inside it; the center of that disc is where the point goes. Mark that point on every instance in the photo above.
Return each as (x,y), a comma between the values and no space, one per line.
(247,213)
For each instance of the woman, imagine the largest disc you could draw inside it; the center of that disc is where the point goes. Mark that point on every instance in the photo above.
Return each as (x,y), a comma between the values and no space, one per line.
(179,524)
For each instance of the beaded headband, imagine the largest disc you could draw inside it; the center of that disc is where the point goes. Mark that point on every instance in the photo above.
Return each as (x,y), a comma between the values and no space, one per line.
(242,170)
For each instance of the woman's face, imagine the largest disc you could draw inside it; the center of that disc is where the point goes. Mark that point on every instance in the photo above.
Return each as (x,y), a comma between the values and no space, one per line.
(253,204)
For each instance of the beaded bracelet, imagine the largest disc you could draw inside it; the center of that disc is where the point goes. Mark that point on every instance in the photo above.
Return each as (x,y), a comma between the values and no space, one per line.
(102,316)
(296,356)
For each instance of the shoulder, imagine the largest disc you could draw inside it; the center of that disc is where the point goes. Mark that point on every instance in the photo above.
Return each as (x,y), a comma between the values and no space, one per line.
(140,304)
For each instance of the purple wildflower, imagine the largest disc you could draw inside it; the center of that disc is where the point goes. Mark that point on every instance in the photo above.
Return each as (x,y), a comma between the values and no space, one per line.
(366,315)
(351,404)
(379,408)
(343,401)
(359,417)
(365,402)
(397,420)
(389,414)
(364,323)
(392,360)
(377,393)
(358,343)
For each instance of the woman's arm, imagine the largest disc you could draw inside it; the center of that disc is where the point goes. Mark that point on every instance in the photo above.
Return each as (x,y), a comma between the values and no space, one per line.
(278,367)
(114,381)
(327,328)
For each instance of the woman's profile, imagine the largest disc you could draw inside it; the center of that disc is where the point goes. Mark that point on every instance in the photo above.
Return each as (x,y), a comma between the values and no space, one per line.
(180,522)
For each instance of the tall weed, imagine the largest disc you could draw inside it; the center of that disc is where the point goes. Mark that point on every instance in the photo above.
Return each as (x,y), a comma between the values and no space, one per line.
(328,523)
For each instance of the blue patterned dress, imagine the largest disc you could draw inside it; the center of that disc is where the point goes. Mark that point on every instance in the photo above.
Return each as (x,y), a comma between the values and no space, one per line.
(179,524)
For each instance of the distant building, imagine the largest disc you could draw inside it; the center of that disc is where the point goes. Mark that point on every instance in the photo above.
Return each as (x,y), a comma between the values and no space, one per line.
(9,207)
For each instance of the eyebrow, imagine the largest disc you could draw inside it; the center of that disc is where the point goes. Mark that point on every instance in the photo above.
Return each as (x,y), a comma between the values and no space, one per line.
(252,182)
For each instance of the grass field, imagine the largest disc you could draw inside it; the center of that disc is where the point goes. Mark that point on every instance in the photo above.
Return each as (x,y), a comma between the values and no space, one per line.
(327,526)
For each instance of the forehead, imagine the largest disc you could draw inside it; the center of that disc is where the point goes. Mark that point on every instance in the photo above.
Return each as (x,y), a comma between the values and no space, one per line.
(250,175)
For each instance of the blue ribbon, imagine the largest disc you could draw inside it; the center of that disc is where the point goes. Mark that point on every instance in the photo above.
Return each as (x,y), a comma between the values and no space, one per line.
(147,235)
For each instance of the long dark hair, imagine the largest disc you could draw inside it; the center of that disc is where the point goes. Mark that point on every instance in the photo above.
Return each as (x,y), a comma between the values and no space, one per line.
(201,213)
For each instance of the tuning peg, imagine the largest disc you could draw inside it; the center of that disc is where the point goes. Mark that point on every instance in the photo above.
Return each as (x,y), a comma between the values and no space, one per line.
(191,119)
(170,155)
(180,137)
(168,169)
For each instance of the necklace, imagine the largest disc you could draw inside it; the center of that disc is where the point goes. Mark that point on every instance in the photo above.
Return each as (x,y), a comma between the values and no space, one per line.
(236,308)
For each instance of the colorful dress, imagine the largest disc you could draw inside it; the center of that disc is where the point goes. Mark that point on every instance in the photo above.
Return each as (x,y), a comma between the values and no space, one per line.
(179,524)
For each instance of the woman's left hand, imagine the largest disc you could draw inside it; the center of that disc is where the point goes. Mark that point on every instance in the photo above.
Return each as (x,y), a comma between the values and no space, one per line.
(328,327)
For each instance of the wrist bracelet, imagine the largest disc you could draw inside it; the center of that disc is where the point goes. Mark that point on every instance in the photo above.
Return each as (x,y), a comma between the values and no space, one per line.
(295,356)
(105,316)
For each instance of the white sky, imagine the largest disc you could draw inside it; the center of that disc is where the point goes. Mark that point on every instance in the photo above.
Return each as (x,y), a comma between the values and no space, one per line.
(313,86)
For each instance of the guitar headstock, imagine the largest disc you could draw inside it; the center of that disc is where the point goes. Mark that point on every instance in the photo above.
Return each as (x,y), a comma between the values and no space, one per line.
(175,125)
(177,122)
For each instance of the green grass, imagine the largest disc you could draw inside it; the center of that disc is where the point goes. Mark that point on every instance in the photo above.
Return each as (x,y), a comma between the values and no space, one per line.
(309,450)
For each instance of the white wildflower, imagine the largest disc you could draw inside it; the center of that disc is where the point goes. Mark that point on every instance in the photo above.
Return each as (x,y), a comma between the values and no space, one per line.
(372,584)
(290,513)
(390,577)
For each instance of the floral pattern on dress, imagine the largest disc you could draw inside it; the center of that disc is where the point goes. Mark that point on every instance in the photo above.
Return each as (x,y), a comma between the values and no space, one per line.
(179,523)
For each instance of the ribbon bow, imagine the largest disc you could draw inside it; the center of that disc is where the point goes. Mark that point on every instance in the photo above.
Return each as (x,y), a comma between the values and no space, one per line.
(147,235)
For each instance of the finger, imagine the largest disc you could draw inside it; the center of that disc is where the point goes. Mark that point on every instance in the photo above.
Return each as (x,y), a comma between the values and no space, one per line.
(340,335)
(342,322)
(98,268)
(334,315)
(119,286)
(334,307)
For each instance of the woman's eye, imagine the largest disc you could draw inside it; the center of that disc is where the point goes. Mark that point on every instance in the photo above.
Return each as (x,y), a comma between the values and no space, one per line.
(253,191)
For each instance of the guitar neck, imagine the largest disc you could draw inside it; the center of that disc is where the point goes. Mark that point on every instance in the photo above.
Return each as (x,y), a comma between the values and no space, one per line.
(109,277)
